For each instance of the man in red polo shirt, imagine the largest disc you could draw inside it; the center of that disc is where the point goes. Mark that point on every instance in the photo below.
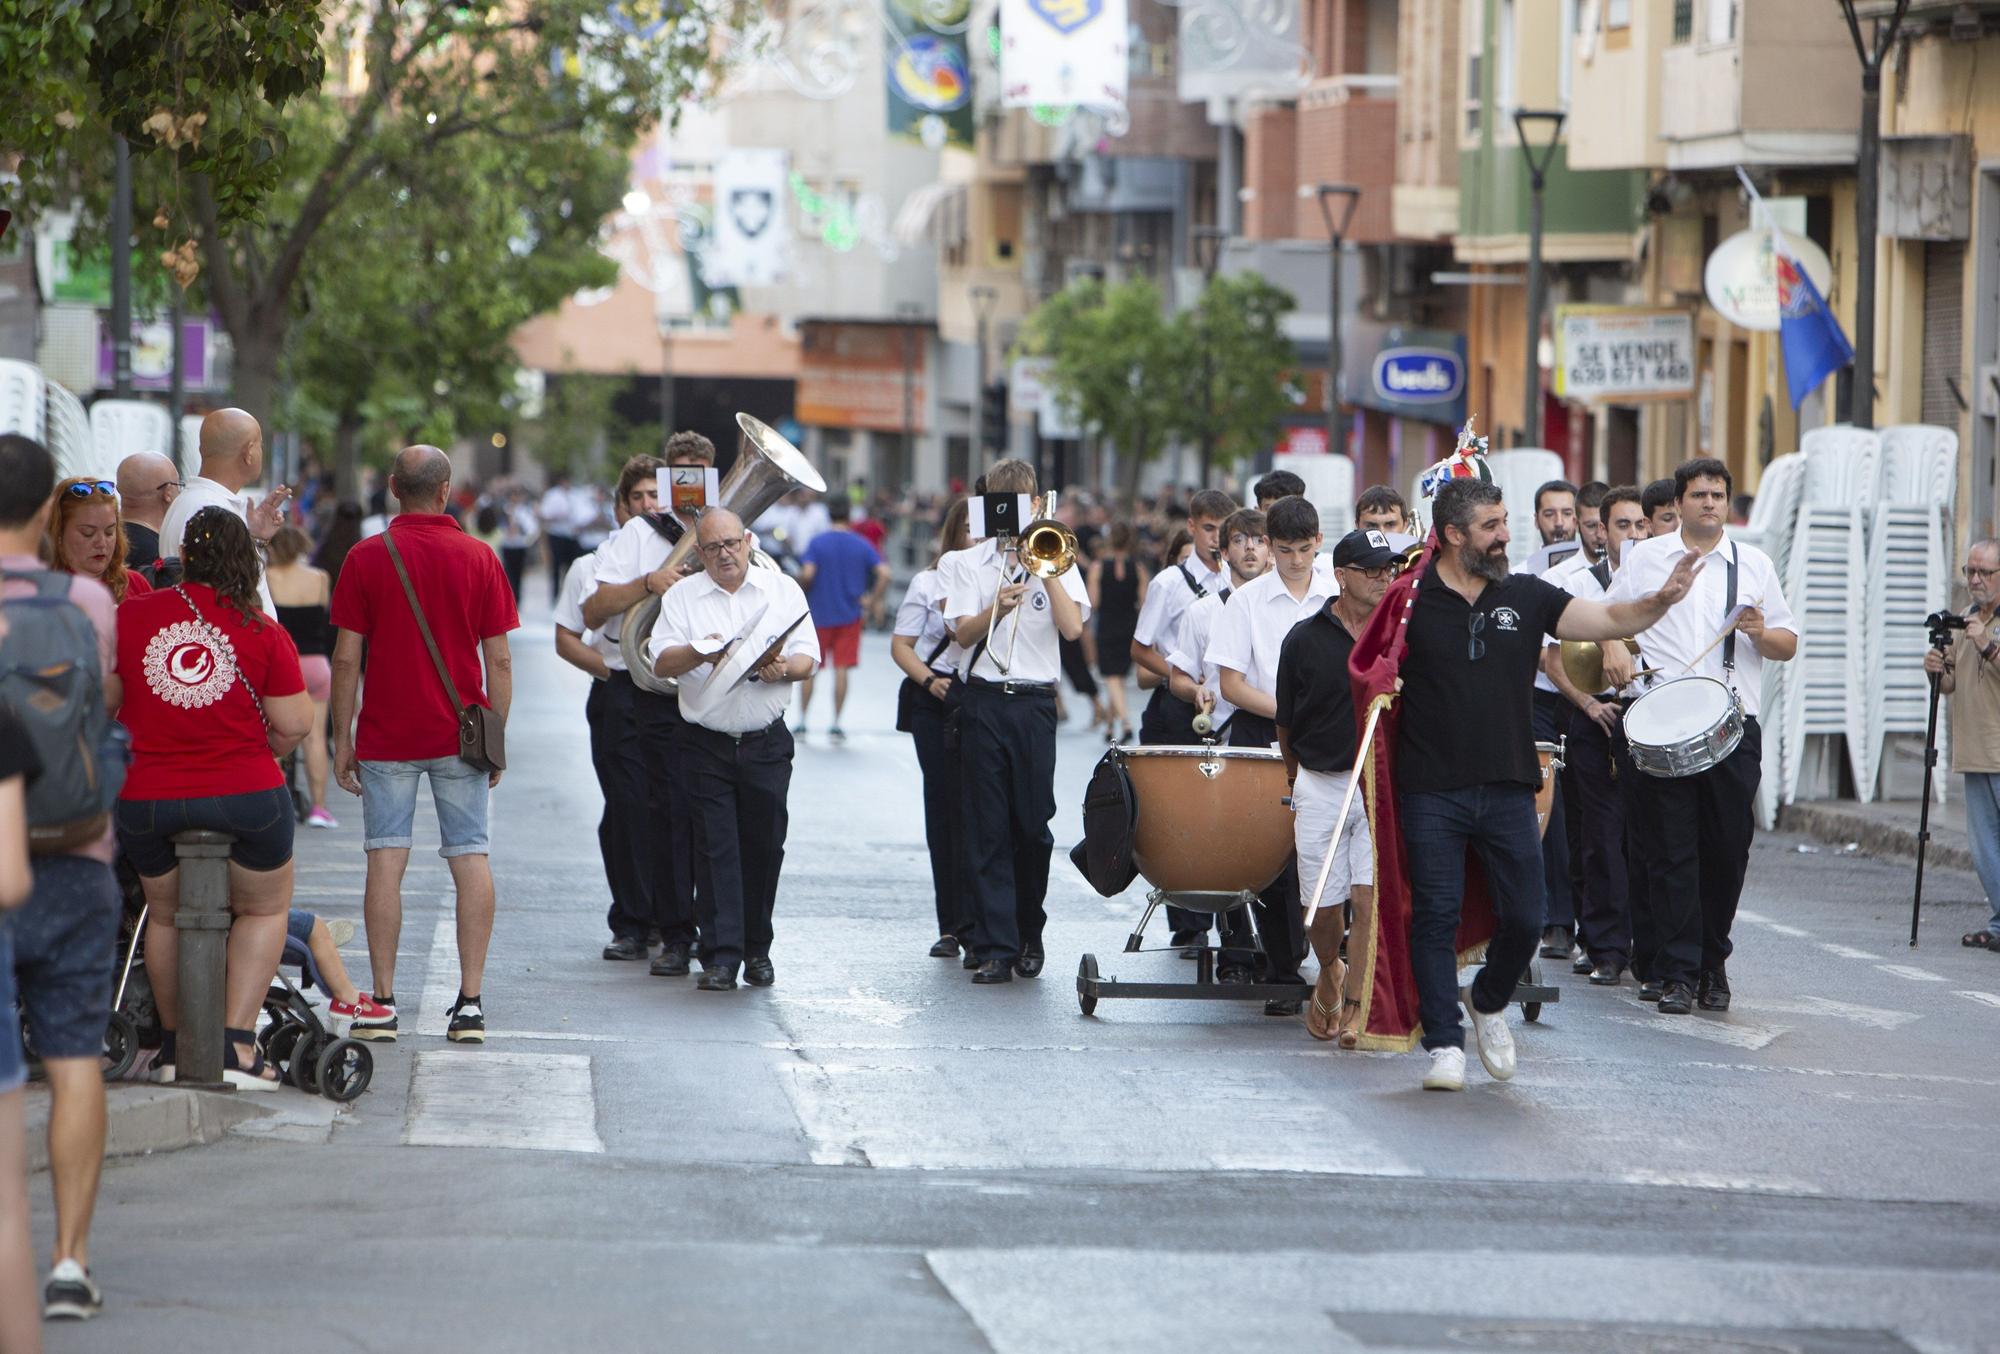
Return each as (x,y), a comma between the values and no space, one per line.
(408,725)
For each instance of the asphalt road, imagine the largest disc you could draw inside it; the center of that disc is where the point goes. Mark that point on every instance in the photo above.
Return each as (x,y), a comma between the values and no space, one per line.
(875,1155)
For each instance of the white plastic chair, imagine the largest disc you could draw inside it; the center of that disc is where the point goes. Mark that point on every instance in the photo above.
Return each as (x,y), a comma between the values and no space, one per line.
(69,439)
(122,427)
(22,397)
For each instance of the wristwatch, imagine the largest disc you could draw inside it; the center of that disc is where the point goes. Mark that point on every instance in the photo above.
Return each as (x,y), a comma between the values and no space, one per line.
(1992,647)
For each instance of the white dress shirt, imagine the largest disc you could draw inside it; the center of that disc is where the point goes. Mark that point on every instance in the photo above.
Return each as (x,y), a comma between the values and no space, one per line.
(633,552)
(202,492)
(1252,628)
(1168,598)
(972,579)
(921,617)
(1692,623)
(577,586)
(555,511)
(1574,576)
(1190,650)
(1555,555)
(698,607)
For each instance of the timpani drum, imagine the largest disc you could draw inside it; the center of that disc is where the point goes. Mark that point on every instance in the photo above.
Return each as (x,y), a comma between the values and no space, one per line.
(1212,820)
(1550,755)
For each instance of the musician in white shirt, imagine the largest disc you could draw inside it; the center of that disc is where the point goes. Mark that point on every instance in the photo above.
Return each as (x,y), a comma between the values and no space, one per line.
(1599,766)
(624,832)
(1171,592)
(923,647)
(1701,826)
(737,752)
(1007,733)
(1246,551)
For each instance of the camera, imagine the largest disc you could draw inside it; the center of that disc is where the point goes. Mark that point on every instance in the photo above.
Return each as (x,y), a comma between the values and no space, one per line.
(1941,624)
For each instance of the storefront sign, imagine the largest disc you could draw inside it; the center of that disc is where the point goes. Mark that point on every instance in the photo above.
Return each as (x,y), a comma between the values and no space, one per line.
(1742,282)
(1623,353)
(153,354)
(1419,375)
(853,376)
(1030,399)
(1303,440)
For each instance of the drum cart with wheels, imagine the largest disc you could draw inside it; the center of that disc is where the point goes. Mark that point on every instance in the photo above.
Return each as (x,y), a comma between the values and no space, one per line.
(1091,986)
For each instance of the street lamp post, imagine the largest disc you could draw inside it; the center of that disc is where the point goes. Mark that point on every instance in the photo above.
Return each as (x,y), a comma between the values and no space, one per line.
(1348,196)
(982,306)
(1207,254)
(121,270)
(1538,170)
(908,312)
(1867,171)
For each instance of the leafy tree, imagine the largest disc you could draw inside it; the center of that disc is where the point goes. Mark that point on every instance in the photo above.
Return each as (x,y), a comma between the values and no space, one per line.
(192,84)
(1121,364)
(426,92)
(1237,332)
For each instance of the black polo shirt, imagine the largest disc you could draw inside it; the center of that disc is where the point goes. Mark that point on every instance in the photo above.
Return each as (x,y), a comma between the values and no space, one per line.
(1465,720)
(1315,697)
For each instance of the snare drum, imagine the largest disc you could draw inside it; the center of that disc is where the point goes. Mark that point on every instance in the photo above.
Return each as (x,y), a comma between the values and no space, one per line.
(1683,727)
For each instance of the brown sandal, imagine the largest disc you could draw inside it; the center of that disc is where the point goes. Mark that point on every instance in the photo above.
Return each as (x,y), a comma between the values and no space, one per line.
(1980,940)
(1350,1035)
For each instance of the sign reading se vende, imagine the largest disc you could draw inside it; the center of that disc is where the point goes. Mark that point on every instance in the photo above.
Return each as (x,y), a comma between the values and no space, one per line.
(1624,353)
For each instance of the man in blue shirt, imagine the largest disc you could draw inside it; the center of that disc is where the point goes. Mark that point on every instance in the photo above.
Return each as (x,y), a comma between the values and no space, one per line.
(842,575)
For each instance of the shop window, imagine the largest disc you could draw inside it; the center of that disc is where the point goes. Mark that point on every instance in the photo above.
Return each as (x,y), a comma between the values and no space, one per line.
(1683,21)
(1617,13)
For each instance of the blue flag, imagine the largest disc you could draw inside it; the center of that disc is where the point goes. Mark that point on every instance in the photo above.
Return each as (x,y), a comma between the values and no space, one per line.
(1815,348)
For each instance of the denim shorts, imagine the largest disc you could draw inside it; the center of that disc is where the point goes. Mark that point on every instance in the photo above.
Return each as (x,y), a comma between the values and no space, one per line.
(261,822)
(65,944)
(389,805)
(13,1065)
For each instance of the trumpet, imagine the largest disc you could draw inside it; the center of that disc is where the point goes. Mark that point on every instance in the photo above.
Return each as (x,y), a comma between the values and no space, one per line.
(1045,549)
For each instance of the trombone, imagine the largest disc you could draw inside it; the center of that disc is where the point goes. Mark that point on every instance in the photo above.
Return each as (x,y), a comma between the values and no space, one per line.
(1045,549)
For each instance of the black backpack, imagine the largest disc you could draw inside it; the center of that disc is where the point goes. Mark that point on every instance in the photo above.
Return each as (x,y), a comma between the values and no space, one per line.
(49,679)
(1110,816)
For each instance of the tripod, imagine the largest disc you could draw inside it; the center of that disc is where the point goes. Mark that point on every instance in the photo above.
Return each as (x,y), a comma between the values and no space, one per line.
(1924,810)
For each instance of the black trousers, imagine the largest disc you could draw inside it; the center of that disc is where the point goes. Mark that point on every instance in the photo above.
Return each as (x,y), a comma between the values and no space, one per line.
(1007,751)
(737,791)
(1601,764)
(1700,828)
(514,562)
(623,831)
(563,552)
(1552,712)
(1168,721)
(667,839)
(944,826)
(1641,868)
(1280,917)
(1076,668)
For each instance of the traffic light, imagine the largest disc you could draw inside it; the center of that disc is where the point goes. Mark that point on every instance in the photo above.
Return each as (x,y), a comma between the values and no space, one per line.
(993,416)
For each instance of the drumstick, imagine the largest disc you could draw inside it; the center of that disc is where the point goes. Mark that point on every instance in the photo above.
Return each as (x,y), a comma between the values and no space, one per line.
(1727,631)
(1347,802)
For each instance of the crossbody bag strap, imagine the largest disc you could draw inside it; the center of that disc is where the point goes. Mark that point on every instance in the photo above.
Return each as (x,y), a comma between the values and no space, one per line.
(1197,589)
(423,625)
(936,653)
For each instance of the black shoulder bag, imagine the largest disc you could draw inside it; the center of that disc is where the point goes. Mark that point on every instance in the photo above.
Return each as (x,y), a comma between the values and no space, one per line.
(481,732)
(912,691)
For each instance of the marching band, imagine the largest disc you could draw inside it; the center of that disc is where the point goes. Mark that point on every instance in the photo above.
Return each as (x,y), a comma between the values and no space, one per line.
(1423,699)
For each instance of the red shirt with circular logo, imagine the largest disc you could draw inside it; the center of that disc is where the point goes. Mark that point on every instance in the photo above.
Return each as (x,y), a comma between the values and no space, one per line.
(196,729)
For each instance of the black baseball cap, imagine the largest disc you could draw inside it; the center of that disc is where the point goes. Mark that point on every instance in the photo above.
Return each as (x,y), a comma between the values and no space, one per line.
(1363,549)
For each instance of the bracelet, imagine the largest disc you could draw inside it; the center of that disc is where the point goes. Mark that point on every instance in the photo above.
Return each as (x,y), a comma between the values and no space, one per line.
(1987,653)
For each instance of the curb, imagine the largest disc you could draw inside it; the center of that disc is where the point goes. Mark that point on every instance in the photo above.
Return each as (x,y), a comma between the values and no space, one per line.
(1947,850)
(140,1120)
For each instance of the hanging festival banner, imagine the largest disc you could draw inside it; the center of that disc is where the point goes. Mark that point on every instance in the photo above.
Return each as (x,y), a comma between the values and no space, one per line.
(929,72)
(747,246)
(1063,52)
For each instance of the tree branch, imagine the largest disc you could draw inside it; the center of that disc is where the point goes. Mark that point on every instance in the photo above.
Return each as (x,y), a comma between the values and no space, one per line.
(224,287)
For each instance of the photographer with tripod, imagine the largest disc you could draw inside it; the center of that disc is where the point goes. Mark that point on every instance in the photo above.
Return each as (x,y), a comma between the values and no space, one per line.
(1969,673)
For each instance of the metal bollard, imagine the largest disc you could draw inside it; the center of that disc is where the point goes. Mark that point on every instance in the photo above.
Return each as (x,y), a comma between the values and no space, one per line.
(202,922)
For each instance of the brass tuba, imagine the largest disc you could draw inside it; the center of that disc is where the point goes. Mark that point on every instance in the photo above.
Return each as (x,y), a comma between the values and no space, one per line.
(767,468)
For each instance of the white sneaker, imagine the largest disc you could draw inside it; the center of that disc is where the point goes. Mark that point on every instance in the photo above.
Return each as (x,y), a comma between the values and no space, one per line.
(1494,1039)
(70,1295)
(1447,1070)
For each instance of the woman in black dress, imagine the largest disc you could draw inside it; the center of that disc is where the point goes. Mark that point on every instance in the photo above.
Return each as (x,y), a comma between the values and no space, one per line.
(1117,584)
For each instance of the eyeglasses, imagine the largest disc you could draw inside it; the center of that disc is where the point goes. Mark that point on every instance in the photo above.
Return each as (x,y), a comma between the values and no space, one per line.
(1973,573)
(1475,647)
(165,485)
(1244,538)
(1387,571)
(713,549)
(89,487)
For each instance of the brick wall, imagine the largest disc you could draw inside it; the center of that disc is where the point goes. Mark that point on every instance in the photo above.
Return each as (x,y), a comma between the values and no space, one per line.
(1270,172)
(1351,142)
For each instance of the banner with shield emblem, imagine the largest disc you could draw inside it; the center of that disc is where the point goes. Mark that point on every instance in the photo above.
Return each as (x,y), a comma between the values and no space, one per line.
(1063,53)
(747,248)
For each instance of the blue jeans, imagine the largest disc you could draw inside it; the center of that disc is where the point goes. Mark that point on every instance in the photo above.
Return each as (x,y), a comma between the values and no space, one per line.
(389,804)
(13,1061)
(1982,828)
(1496,820)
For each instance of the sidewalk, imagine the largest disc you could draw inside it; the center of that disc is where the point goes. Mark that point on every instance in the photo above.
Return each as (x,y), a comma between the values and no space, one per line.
(1884,828)
(141,1119)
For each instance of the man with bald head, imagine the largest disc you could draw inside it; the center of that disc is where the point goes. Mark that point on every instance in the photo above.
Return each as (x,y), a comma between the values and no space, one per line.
(737,752)
(232,459)
(148,484)
(408,725)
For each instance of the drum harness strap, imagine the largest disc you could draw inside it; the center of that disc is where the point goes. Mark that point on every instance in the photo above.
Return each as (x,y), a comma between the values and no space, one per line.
(1729,640)
(1222,728)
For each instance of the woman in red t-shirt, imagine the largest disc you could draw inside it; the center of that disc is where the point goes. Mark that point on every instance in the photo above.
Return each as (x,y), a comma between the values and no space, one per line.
(86,538)
(213,696)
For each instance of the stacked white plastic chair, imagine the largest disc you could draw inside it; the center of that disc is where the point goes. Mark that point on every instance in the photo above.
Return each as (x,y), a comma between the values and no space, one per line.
(1824,582)
(189,459)
(68,438)
(1773,518)
(1909,577)
(23,399)
(122,427)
